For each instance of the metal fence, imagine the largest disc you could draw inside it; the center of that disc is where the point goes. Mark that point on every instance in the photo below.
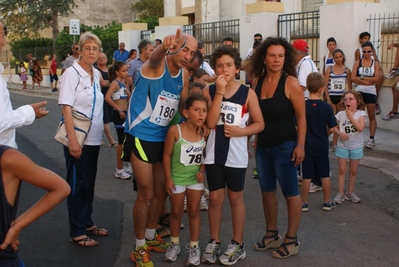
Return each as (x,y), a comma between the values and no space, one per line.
(384,29)
(212,33)
(302,25)
(146,34)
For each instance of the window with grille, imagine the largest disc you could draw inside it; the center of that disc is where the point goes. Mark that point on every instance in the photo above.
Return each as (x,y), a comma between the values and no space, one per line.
(311,5)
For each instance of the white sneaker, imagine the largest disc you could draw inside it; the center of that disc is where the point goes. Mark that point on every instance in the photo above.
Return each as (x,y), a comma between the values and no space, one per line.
(194,256)
(203,204)
(339,198)
(233,253)
(172,252)
(391,115)
(370,143)
(121,174)
(392,73)
(206,193)
(314,188)
(127,167)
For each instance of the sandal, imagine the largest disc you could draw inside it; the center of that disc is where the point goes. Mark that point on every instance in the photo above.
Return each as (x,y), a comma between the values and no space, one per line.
(82,241)
(113,145)
(164,221)
(162,232)
(275,243)
(97,231)
(286,254)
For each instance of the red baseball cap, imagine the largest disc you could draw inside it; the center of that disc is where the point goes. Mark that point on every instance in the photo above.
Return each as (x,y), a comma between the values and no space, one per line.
(300,45)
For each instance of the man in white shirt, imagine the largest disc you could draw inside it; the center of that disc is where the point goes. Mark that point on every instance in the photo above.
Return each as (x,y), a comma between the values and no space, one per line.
(305,64)
(9,118)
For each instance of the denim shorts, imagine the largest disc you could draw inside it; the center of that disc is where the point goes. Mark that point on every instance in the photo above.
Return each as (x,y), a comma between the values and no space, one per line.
(345,153)
(274,164)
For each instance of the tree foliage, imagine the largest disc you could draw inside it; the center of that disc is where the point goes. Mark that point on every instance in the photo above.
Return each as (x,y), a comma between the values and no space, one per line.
(150,11)
(40,47)
(26,18)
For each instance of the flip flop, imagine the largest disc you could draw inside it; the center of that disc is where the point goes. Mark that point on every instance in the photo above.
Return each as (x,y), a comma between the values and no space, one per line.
(162,232)
(113,145)
(97,231)
(82,241)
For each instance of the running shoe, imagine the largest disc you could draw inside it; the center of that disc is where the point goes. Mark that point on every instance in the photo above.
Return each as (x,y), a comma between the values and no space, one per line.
(141,257)
(352,197)
(212,252)
(203,204)
(370,143)
(127,167)
(206,193)
(194,256)
(121,174)
(314,188)
(392,73)
(233,253)
(391,115)
(157,244)
(305,207)
(255,173)
(327,206)
(172,252)
(378,109)
(339,198)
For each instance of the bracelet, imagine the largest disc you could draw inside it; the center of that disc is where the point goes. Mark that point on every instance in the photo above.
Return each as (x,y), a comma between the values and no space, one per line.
(203,173)
(301,146)
(219,93)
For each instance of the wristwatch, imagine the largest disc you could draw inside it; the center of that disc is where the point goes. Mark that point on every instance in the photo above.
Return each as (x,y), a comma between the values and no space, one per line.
(361,77)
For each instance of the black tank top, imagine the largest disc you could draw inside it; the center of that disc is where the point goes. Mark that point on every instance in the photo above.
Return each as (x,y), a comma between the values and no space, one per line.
(105,76)
(8,257)
(278,114)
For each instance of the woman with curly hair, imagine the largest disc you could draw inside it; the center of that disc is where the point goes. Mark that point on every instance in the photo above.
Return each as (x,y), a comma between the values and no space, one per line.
(280,146)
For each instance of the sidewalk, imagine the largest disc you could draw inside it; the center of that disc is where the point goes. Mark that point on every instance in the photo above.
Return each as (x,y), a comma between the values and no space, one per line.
(387,142)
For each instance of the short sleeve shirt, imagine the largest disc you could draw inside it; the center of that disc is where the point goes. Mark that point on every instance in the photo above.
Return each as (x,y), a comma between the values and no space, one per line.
(304,68)
(77,91)
(121,56)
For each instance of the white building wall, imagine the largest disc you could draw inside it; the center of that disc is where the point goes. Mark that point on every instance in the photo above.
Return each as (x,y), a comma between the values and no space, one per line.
(187,3)
(169,7)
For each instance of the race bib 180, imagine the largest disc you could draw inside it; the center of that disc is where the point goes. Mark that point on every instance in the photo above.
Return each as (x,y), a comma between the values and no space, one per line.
(164,110)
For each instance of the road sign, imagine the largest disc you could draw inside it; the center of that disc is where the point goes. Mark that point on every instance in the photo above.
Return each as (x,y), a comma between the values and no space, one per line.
(74,27)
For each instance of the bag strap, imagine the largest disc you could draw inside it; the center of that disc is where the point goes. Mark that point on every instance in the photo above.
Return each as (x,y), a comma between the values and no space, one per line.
(95,89)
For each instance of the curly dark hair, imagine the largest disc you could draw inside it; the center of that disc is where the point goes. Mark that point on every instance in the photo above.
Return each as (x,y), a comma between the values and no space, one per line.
(226,50)
(257,66)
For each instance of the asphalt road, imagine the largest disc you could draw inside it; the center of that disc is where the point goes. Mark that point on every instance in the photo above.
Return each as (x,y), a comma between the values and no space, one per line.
(351,235)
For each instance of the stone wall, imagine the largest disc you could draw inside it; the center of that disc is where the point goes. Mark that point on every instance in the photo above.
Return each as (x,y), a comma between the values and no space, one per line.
(95,12)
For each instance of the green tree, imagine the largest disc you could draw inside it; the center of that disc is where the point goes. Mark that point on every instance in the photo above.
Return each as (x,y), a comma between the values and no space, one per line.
(27,17)
(150,11)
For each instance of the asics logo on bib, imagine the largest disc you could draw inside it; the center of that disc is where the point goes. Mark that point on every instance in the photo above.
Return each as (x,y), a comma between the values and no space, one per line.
(170,95)
(194,149)
(346,123)
(227,107)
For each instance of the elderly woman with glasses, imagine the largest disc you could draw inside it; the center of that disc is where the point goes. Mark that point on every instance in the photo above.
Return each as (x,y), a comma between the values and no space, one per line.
(80,90)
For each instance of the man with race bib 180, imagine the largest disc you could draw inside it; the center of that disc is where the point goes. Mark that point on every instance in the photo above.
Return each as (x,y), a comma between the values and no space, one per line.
(161,84)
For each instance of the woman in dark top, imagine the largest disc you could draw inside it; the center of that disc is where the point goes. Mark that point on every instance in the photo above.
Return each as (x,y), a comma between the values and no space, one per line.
(107,109)
(280,146)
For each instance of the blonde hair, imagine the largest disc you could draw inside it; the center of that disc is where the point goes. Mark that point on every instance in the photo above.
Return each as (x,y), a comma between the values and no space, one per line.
(88,36)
